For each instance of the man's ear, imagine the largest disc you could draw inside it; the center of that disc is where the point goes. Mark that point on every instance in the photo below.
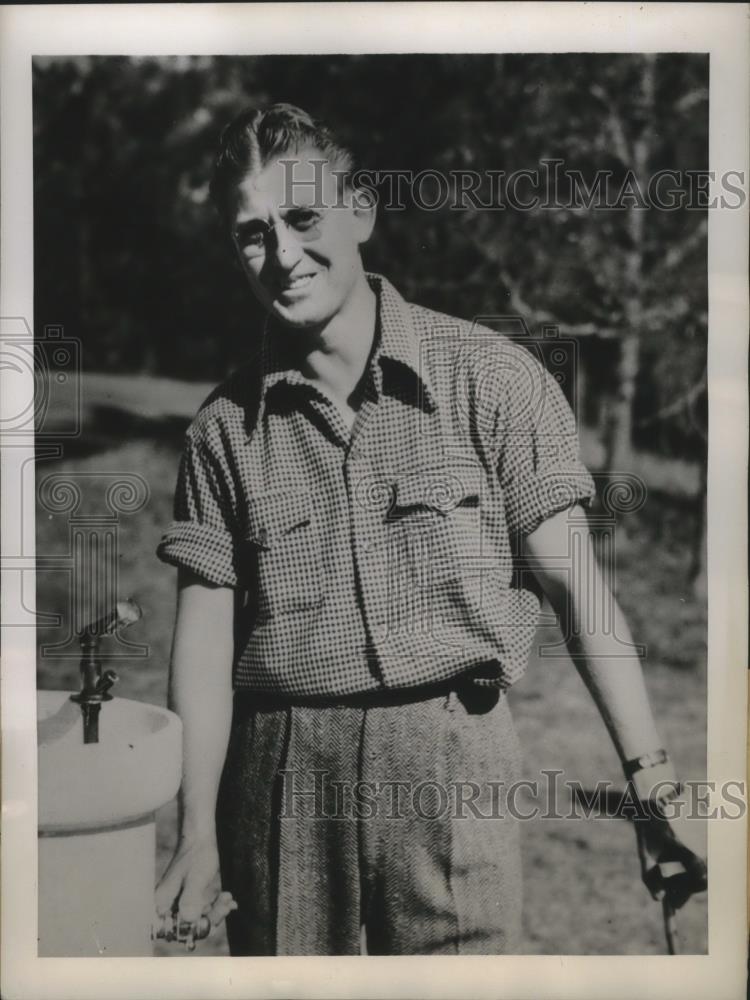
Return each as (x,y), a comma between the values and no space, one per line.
(364,207)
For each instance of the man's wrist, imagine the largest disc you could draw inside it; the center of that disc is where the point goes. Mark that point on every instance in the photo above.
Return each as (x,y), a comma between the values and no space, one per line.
(645,761)
(197,822)
(653,777)
(197,835)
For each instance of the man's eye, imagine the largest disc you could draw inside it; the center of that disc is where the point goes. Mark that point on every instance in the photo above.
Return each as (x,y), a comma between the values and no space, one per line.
(303,219)
(253,239)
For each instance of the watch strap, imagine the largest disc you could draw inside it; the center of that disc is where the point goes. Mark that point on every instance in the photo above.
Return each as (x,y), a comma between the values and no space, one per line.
(646,761)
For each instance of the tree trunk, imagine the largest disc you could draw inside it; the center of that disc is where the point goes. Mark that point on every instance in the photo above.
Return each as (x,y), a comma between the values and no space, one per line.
(619,443)
(619,438)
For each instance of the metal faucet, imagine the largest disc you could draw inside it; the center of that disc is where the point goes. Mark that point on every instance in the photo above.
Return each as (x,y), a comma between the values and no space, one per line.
(95,685)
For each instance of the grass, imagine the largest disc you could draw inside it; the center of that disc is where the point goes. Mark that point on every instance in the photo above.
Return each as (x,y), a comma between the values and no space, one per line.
(583,890)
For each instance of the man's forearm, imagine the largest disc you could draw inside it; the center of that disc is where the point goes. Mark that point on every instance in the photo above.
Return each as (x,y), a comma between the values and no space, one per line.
(201,694)
(614,678)
(599,637)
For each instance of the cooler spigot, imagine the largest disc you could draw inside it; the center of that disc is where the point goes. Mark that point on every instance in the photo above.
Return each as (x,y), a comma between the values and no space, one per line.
(95,685)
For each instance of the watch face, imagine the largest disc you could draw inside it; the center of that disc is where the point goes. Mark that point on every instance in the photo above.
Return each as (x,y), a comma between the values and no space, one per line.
(652,759)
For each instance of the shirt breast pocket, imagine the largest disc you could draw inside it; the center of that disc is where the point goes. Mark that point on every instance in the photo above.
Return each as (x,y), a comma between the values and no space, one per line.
(443,555)
(284,554)
(437,516)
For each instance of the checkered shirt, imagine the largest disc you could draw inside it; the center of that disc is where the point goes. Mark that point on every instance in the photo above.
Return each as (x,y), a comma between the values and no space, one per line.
(383,557)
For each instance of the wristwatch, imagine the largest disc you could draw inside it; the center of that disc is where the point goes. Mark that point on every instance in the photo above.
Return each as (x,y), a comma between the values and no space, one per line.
(653,778)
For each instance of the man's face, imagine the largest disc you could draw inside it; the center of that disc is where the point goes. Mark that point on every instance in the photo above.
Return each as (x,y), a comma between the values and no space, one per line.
(298,236)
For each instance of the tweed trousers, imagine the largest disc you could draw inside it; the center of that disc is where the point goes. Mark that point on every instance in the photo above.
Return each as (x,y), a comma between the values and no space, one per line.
(385,816)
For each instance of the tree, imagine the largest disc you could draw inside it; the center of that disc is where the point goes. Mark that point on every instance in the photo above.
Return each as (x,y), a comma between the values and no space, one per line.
(130,258)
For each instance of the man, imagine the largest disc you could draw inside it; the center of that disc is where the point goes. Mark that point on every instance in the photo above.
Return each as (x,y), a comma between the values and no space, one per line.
(363,517)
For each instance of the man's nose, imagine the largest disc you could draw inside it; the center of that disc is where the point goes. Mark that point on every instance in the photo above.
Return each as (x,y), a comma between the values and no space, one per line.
(284,249)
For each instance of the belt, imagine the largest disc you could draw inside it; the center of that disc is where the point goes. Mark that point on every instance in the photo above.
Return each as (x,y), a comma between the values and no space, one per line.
(463,685)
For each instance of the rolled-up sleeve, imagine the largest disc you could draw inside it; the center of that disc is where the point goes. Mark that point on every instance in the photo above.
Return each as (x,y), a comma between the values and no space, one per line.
(201,536)
(539,465)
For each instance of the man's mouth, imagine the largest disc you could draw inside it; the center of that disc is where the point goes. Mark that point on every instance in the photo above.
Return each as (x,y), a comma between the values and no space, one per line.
(296,284)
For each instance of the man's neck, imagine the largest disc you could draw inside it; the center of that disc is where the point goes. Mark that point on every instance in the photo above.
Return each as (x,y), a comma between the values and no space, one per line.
(338,354)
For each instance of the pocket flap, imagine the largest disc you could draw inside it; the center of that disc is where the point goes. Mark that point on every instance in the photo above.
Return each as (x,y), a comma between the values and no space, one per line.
(272,516)
(440,490)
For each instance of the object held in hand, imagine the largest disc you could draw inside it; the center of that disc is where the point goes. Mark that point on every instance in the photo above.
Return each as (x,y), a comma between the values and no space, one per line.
(187,932)
(671,871)
(676,874)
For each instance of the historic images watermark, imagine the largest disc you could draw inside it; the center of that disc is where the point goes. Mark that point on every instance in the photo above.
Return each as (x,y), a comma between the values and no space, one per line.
(448,500)
(315,795)
(44,378)
(549,185)
(447,559)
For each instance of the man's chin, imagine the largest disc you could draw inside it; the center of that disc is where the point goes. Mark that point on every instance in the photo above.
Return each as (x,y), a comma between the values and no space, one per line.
(299,316)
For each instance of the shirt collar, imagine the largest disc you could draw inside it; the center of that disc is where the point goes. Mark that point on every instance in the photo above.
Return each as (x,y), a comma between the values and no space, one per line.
(396,362)
(397,354)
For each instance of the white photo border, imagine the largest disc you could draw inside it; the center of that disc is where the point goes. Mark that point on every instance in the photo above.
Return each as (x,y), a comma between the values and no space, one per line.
(213,29)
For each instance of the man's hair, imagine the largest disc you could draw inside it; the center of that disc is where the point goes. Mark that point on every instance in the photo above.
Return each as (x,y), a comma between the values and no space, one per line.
(256,136)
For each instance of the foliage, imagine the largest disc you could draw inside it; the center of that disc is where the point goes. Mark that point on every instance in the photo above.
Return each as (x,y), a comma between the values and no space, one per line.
(130,258)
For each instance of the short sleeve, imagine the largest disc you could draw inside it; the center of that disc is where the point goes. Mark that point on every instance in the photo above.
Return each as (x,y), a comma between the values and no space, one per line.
(540,469)
(201,536)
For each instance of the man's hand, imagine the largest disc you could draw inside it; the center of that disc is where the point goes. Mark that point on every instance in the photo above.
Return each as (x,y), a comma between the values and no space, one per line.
(672,854)
(190,886)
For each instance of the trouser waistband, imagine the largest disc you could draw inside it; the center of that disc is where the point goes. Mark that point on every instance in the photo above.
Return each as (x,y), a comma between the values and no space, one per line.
(463,685)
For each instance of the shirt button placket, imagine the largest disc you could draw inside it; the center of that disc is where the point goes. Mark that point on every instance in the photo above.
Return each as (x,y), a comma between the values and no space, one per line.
(365,495)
